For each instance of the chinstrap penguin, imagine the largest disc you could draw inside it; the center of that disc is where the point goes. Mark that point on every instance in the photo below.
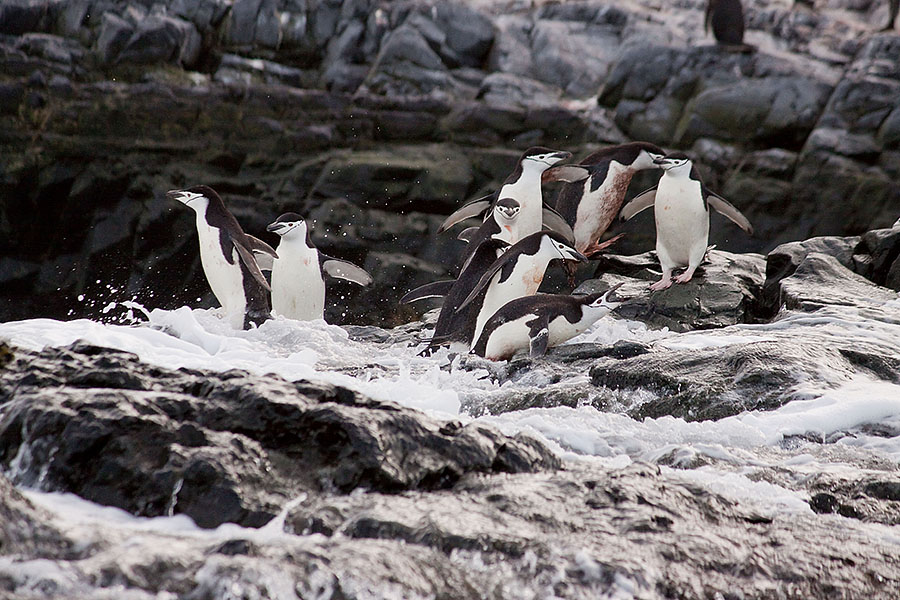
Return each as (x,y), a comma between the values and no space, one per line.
(455,326)
(590,206)
(542,321)
(726,17)
(298,282)
(681,208)
(227,256)
(524,186)
(518,272)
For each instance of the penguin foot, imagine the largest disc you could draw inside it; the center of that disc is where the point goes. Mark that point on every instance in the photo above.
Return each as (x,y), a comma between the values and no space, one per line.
(686,276)
(662,284)
(598,246)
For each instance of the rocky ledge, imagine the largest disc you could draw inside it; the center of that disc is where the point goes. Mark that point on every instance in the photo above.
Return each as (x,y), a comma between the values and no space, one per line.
(383,498)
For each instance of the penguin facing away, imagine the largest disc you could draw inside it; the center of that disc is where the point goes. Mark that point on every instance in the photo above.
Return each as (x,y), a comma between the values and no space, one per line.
(681,208)
(518,272)
(542,321)
(590,206)
(456,326)
(726,17)
(298,283)
(227,257)
(524,186)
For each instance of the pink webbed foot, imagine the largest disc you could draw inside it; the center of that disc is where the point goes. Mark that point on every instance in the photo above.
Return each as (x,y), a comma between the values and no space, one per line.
(597,246)
(662,284)
(684,277)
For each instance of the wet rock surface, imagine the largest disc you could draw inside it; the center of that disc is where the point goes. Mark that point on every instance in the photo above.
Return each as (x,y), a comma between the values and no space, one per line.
(391,501)
(227,448)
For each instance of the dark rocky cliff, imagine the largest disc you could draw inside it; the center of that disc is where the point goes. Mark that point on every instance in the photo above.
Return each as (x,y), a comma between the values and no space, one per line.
(375,118)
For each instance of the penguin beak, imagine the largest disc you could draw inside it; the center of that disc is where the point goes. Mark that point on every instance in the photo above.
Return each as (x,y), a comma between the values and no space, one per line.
(559,157)
(575,255)
(659,161)
(611,296)
(275,227)
(182,196)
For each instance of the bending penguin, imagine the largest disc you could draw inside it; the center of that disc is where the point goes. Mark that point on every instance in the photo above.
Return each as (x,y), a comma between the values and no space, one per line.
(454,326)
(681,207)
(524,186)
(227,256)
(542,321)
(590,206)
(298,282)
(518,272)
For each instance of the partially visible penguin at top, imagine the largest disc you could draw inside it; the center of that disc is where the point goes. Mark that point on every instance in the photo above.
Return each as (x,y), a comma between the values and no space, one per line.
(726,17)
(228,258)
(893,11)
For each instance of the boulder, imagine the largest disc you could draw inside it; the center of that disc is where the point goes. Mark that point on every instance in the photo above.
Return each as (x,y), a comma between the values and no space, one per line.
(223,448)
(721,293)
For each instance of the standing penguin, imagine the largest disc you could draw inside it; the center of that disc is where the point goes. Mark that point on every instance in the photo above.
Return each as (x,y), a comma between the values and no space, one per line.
(518,272)
(298,283)
(681,207)
(541,321)
(524,186)
(727,20)
(591,205)
(227,256)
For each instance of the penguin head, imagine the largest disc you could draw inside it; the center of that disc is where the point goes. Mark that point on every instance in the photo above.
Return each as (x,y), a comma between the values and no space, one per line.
(505,211)
(647,156)
(676,163)
(197,197)
(540,159)
(554,246)
(607,300)
(289,226)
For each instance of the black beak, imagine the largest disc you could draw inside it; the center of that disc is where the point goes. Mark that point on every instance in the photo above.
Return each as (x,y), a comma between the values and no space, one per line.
(273,227)
(611,295)
(579,257)
(659,161)
(173,195)
(563,155)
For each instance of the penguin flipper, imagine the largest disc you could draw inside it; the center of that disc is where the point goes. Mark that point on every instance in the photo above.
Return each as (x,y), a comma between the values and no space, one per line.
(485,279)
(342,269)
(468,210)
(725,208)
(566,173)
(539,335)
(556,222)
(435,289)
(260,247)
(250,262)
(468,234)
(642,201)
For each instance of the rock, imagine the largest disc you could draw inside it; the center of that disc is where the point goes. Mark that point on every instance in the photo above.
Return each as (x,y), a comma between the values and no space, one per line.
(400,179)
(114,35)
(469,34)
(722,294)
(153,442)
(162,39)
(26,530)
(820,280)
(524,518)
(510,90)
(406,64)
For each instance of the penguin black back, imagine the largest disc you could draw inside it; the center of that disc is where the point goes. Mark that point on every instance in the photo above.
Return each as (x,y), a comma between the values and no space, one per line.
(726,17)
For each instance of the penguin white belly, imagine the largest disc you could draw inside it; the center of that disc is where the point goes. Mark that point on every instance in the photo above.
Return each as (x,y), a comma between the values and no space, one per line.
(508,339)
(525,280)
(561,330)
(225,279)
(682,222)
(298,289)
(596,210)
(527,192)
